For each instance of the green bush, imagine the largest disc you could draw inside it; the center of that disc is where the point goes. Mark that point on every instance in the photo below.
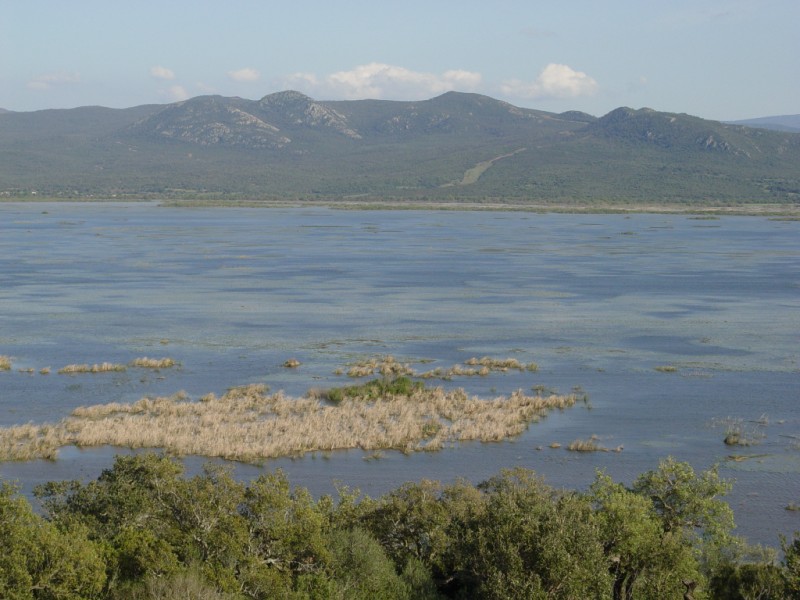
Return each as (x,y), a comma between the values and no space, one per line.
(374,389)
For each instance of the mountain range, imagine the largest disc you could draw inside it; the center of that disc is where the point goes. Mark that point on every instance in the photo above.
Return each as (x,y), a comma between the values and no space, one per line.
(452,147)
(789,123)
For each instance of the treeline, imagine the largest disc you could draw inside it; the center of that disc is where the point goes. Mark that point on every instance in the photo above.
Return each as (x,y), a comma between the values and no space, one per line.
(143,530)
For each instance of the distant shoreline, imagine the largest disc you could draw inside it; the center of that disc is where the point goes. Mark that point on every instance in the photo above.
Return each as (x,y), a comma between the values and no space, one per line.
(790,211)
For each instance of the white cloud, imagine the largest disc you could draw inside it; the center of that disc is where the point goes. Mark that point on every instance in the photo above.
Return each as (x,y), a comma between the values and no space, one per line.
(379,80)
(555,81)
(159,72)
(244,75)
(48,80)
(176,93)
(304,81)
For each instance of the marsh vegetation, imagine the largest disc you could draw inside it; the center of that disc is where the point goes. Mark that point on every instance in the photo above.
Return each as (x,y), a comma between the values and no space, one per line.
(105,367)
(390,366)
(153,363)
(249,423)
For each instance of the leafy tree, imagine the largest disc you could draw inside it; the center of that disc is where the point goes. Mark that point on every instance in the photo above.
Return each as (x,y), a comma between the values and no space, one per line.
(755,581)
(287,535)
(645,560)
(533,542)
(126,511)
(40,561)
(688,504)
(361,569)
(791,562)
(411,521)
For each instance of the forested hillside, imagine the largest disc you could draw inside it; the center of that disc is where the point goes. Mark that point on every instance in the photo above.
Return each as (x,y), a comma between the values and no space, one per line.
(453,147)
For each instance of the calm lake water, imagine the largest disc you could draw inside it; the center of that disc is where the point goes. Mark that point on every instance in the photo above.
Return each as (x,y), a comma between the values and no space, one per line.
(598,301)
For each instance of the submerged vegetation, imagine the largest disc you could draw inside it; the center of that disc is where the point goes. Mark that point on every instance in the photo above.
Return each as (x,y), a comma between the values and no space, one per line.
(142,531)
(739,432)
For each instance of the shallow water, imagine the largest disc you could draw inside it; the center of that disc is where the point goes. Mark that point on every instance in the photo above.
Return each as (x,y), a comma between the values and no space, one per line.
(598,301)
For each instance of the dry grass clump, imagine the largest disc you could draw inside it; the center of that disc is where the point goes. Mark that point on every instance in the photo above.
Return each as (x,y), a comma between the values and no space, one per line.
(248,424)
(590,445)
(291,363)
(44,371)
(105,367)
(152,363)
(502,364)
(5,363)
(487,365)
(386,366)
(454,371)
(666,369)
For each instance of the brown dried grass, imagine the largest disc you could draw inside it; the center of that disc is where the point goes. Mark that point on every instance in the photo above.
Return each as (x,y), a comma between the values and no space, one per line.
(152,363)
(105,367)
(248,424)
(481,367)
(590,445)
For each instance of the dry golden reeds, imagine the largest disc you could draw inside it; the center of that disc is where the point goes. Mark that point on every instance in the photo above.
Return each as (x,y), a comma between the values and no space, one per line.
(475,367)
(105,367)
(5,363)
(152,363)
(248,424)
(385,365)
(590,445)
(502,364)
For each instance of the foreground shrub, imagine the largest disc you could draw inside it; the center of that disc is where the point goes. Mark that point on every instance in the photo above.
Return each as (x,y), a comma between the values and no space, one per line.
(40,560)
(142,530)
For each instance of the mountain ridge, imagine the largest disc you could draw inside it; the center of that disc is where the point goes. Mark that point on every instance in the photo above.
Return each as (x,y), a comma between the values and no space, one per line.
(789,123)
(289,145)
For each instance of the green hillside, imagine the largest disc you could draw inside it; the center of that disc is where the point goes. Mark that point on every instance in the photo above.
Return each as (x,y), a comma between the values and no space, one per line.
(453,147)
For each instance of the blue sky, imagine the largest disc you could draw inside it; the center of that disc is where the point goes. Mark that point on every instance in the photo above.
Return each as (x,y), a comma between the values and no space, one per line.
(719,59)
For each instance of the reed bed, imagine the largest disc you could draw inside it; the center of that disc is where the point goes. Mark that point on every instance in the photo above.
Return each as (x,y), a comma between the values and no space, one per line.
(152,363)
(481,367)
(502,364)
(249,424)
(590,445)
(105,367)
(386,366)
(5,363)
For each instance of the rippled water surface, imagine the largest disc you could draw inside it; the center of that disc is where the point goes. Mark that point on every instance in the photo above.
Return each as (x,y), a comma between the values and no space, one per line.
(598,301)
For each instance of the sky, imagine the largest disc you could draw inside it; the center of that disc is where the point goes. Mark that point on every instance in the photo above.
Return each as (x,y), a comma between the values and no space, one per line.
(717,59)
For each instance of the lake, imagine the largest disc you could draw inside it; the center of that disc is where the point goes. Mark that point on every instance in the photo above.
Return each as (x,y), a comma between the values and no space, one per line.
(675,326)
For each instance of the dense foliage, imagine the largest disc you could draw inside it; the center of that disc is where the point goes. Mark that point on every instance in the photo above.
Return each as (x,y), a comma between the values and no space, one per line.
(143,530)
